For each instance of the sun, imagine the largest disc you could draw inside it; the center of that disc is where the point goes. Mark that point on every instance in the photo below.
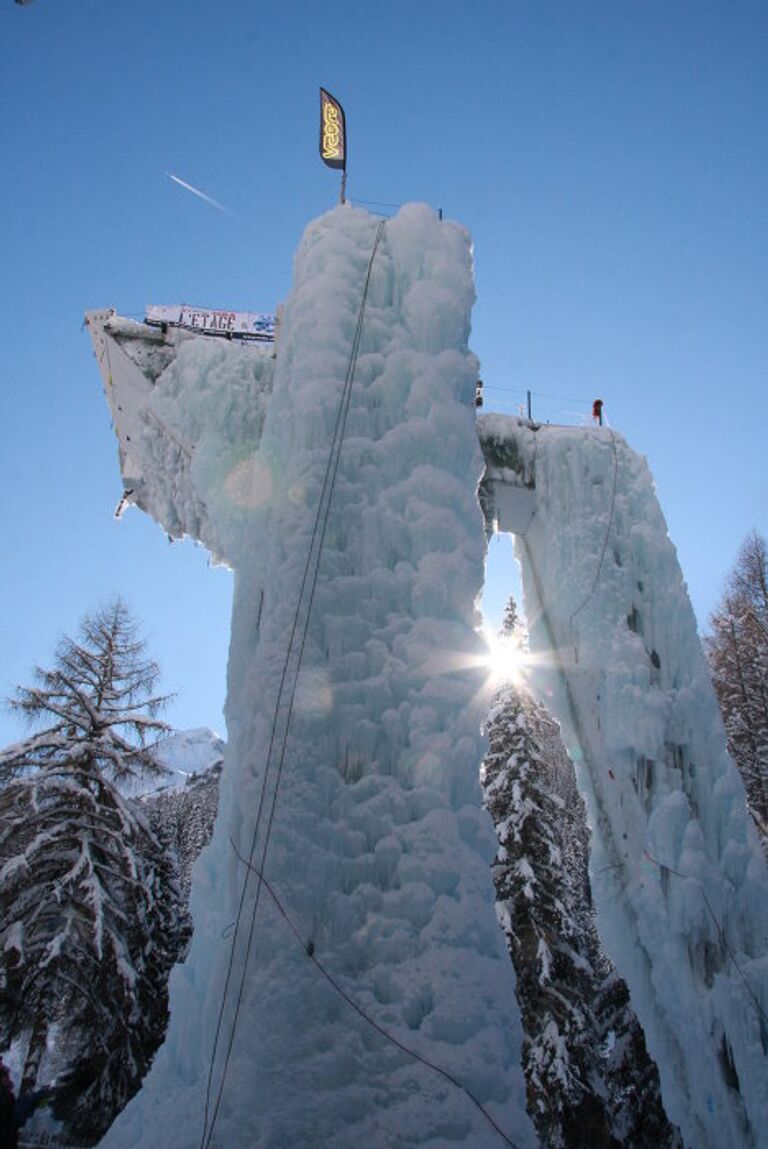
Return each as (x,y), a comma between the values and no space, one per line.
(505,658)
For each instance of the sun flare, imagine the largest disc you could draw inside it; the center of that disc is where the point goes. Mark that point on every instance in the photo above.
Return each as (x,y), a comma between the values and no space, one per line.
(505,659)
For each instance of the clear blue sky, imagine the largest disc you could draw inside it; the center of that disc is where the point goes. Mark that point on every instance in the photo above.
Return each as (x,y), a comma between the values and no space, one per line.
(610,159)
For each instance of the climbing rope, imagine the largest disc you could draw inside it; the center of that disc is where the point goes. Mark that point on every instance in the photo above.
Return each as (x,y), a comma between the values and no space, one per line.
(718,927)
(294,653)
(310,952)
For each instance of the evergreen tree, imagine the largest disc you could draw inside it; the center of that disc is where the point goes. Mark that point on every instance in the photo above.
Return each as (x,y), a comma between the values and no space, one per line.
(90,912)
(100,697)
(737,649)
(590,1082)
(183,820)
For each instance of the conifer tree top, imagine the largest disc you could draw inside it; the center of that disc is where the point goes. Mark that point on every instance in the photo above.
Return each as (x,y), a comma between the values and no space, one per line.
(101,697)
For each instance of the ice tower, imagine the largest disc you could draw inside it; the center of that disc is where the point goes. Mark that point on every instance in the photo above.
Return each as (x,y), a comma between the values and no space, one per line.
(347,983)
(339,480)
(678,877)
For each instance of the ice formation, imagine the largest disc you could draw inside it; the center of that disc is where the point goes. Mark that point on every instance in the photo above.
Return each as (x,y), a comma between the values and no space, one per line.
(354,704)
(678,876)
(378,850)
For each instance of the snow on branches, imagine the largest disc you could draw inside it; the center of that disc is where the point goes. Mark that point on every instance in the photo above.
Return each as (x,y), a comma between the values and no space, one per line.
(90,912)
(100,697)
(589,1079)
(737,650)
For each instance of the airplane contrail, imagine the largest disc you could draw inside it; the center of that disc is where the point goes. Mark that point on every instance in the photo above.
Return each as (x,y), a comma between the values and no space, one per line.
(197,192)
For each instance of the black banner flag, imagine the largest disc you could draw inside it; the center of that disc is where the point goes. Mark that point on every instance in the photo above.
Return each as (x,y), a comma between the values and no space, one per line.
(333,137)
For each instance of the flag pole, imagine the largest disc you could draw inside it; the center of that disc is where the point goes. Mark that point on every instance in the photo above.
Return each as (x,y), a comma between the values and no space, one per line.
(343,193)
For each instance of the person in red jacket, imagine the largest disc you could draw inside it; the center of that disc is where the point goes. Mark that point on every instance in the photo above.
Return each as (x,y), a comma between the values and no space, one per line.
(597,412)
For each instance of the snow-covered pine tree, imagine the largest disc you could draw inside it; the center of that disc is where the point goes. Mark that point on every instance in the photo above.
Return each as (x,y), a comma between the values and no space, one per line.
(100,695)
(183,820)
(591,1084)
(737,649)
(90,910)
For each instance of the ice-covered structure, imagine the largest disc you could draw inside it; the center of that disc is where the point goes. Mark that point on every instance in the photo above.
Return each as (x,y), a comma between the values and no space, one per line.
(339,480)
(678,877)
(361,992)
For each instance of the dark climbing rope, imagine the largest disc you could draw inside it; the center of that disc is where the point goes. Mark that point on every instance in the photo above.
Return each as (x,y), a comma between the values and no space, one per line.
(718,926)
(309,578)
(309,949)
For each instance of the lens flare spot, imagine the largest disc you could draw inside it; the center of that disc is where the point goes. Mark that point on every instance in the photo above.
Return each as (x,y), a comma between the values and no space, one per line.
(297,494)
(249,483)
(314,694)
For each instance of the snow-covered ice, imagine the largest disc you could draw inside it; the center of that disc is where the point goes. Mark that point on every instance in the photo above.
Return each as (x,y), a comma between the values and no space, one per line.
(678,876)
(378,849)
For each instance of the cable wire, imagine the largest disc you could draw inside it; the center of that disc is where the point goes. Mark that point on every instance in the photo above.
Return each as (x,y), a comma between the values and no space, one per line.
(720,930)
(311,565)
(535,394)
(375,202)
(310,952)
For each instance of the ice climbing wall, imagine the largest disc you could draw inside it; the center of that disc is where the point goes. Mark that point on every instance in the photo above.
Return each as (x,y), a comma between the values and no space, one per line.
(678,876)
(364,993)
(354,710)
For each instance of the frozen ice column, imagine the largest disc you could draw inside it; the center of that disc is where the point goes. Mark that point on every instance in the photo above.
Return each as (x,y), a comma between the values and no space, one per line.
(678,876)
(351,773)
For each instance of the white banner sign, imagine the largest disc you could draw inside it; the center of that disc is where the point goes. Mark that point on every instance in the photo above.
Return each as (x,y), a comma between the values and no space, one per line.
(235,324)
